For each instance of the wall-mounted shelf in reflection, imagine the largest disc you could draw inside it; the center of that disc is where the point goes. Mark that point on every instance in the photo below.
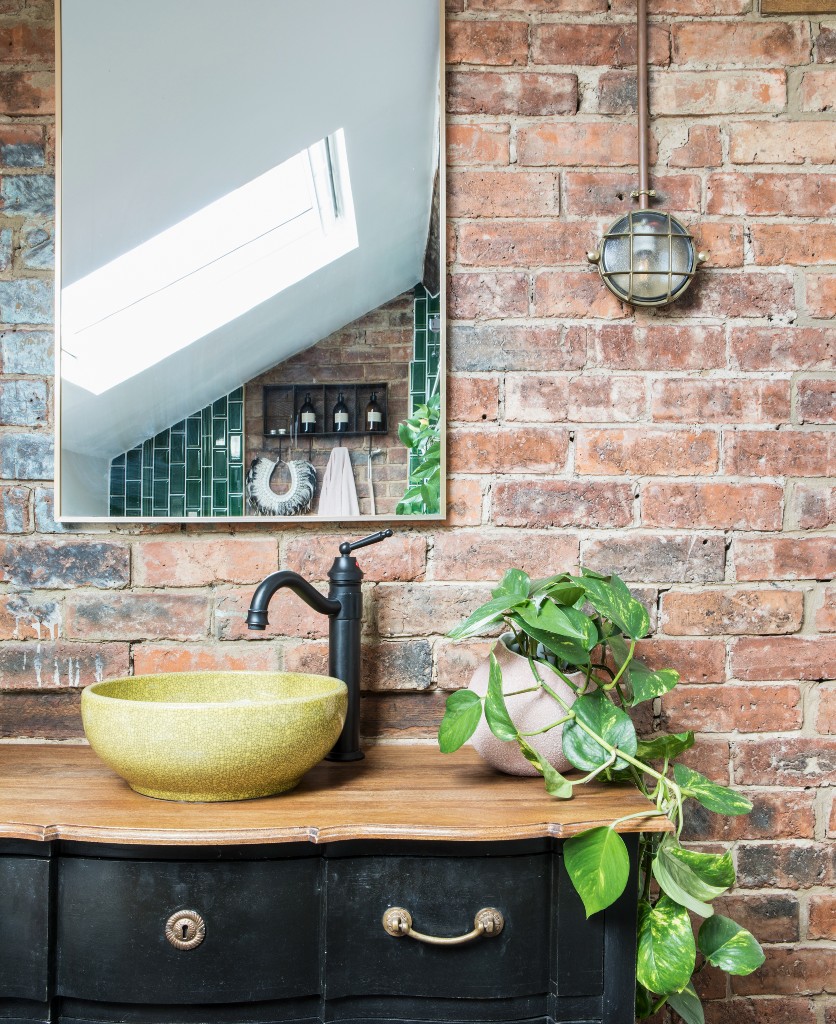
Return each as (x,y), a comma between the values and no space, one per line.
(283,402)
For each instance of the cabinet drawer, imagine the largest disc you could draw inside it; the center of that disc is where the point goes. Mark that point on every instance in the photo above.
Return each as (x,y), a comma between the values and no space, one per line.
(24,927)
(261,940)
(443,895)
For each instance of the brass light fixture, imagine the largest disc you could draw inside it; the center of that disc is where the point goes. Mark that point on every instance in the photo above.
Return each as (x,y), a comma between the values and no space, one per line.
(646,258)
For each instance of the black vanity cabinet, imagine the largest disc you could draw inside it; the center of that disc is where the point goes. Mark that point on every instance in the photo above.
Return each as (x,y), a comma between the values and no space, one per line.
(132,910)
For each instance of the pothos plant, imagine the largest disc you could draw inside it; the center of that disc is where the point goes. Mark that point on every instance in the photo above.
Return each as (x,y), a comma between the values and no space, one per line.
(422,437)
(586,628)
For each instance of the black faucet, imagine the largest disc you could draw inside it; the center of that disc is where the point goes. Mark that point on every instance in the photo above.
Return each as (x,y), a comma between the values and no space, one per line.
(344,608)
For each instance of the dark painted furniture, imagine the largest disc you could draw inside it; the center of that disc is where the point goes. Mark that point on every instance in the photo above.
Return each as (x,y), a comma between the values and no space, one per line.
(292,892)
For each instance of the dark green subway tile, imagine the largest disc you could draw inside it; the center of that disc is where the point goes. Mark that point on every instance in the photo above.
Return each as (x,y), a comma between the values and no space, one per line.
(119,460)
(237,395)
(161,463)
(417,375)
(420,345)
(147,505)
(133,493)
(219,496)
(219,464)
(236,479)
(193,432)
(117,505)
(160,495)
(219,407)
(177,506)
(236,416)
(193,494)
(193,463)
(178,448)
(219,433)
(117,479)
(179,428)
(162,440)
(133,464)
(178,480)
(236,505)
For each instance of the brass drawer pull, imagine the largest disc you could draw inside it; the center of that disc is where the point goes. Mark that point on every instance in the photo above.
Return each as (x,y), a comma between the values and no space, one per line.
(488,922)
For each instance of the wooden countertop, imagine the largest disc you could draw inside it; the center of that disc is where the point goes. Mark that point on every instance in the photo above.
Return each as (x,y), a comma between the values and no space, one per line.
(398,792)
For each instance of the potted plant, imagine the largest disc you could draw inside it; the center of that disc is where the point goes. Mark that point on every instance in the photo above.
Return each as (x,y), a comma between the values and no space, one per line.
(583,629)
(421,434)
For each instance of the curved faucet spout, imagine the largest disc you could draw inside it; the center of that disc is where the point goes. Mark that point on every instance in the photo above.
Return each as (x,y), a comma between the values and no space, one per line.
(257,615)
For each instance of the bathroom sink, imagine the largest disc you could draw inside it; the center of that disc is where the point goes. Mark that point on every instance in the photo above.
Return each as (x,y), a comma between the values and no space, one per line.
(205,736)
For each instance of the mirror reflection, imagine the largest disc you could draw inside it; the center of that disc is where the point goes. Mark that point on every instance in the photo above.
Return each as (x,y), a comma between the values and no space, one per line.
(250,306)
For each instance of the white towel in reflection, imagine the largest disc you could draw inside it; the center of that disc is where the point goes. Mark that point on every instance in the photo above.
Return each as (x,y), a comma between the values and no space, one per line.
(339,495)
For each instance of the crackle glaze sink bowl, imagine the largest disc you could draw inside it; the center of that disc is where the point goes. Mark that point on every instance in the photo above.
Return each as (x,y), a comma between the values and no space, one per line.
(207,736)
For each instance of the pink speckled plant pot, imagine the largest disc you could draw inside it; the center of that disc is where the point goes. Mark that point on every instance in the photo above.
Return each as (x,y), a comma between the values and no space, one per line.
(529,711)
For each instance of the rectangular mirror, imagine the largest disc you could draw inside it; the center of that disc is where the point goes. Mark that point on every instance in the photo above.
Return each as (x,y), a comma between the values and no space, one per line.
(250,303)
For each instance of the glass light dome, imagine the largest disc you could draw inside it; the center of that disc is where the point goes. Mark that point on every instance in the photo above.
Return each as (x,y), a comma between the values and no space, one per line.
(647,258)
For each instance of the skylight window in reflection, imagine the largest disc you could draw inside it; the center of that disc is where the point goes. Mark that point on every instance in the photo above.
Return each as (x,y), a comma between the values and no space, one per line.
(209,269)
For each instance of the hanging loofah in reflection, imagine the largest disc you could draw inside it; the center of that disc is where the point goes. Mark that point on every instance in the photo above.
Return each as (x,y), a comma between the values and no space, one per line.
(295,501)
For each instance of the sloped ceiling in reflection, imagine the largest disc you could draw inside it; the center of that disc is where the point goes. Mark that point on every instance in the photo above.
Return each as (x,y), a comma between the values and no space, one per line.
(171,105)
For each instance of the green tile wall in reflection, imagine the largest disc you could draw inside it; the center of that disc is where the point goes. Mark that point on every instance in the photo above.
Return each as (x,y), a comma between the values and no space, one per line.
(194,468)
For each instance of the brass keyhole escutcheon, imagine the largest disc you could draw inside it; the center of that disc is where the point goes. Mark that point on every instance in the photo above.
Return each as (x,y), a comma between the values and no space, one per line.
(185,929)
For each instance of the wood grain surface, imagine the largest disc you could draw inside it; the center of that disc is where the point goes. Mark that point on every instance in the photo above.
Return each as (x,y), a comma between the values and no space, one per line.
(398,792)
(798,6)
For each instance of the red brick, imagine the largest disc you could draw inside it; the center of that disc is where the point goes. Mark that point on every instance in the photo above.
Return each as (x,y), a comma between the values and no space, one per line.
(392,666)
(571,293)
(591,504)
(602,193)
(150,658)
(515,243)
(15,510)
(567,143)
(134,616)
(738,294)
(776,814)
(821,295)
(741,44)
(701,93)
(508,450)
(46,563)
(651,347)
(783,348)
(464,502)
(478,144)
(800,195)
(822,917)
(801,970)
(787,761)
(487,42)
(769,1010)
(696,661)
(580,399)
(609,45)
(776,245)
(480,555)
(816,401)
(524,94)
(402,557)
(472,398)
(37,665)
(503,193)
(409,609)
(721,400)
(27,93)
(813,506)
(780,453)
(538,6)
(616,93)
(787,657)
(817,90)
(289,616)
(786,865)
(498,346)
(196,562)
(826,620)
(25,43)
(405,717)
(28,617)
(483,296)
(721,242)
(732,708)
(646,452)
(719,506)
(785,558)
(710,612)
(781,142)
(658,557)
(772,918)
(826,44)
(703,148)
(700,8)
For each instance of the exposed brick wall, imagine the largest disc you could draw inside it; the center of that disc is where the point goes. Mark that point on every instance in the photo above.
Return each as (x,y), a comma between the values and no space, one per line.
(692,450)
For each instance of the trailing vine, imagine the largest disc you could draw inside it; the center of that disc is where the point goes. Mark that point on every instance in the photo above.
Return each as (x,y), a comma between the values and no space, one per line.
(589,625)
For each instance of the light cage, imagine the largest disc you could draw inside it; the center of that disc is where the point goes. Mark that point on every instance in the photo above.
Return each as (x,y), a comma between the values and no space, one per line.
(647,258)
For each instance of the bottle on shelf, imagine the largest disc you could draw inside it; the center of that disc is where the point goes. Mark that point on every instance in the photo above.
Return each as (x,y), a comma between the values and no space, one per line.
(373,420)
(340,416)
(307,416)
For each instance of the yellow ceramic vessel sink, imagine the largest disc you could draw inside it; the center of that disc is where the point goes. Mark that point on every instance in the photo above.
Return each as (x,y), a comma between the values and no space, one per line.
(205,736)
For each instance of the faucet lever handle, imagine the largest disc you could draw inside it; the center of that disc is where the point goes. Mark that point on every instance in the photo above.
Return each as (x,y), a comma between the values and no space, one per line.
(347,546)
